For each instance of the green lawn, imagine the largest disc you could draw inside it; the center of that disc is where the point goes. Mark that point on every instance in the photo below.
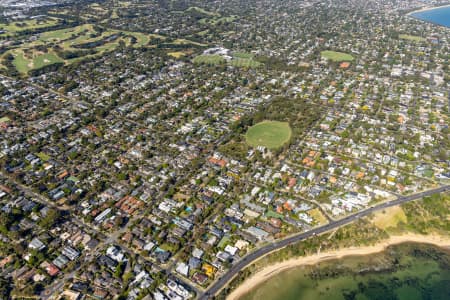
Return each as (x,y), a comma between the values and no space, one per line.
(20,62)
(244,59)
(245,62)
(28,58)
(242,55)
(269,134)
(187,42)
(239,60)
(209,59)
(176,54)
(24,64)
(413,38)
(45,60)
(272,214)
(142,39)
(43,156)
(336,56)
(64,34)
(202,11)
(223,242)
(18,26)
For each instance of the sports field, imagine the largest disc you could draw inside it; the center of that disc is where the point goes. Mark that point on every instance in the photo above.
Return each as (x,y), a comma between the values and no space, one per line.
(242,55)
(243,59)
(239,59)
(413,38)
(269,134)
(336,56)
(209,59)
(245,62)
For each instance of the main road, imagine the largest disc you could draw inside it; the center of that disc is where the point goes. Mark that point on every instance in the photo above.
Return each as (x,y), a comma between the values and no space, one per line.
(251,257)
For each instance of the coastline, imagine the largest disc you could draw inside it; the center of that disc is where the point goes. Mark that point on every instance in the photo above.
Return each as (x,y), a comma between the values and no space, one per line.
(427,8)
(272,270)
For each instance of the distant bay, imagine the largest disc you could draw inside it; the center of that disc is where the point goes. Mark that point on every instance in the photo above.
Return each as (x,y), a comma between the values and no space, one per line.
(439,16)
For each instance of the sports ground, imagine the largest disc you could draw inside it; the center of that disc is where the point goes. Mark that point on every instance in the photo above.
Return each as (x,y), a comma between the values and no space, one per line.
(269,134)
(336,56)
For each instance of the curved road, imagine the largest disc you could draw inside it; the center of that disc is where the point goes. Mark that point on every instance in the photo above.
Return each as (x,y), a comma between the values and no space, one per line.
(248,259)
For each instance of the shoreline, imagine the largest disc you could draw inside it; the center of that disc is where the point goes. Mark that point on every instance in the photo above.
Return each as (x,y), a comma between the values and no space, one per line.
(271,270)
(427,8)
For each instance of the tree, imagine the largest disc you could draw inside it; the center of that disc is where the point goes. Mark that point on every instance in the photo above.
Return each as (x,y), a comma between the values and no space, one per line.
(5,288)
(50,219)
(119,270)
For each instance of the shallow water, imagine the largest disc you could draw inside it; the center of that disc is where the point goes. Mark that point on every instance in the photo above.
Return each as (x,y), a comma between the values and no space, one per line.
(404,272)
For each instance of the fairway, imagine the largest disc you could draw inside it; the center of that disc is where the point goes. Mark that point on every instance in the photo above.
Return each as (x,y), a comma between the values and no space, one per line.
(80,38)
(19,26)
(336,56)
(35,60)
(269,134)
(176,54)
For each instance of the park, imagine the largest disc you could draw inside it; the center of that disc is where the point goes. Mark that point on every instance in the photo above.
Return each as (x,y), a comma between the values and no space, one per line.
(269,134)
(336,56)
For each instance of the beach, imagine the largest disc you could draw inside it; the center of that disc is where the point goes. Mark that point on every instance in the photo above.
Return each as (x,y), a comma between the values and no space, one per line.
(427,8)
(271,270)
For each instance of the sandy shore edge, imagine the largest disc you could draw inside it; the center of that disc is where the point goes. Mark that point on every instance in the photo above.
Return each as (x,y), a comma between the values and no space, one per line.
(272,270)
(428,8)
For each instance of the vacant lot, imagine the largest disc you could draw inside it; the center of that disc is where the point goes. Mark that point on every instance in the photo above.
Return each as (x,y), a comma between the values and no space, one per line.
(269,134)
(336,56)
(318,217)
(389,217)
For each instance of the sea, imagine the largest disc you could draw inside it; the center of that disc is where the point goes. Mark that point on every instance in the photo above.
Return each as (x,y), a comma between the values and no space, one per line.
(401,272)
(439,16)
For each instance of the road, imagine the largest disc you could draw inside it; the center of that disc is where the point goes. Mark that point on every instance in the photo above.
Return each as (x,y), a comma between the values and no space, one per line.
(251,257)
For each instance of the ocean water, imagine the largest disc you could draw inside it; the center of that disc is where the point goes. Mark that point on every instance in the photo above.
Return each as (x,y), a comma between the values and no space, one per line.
(440,16)
(402,272)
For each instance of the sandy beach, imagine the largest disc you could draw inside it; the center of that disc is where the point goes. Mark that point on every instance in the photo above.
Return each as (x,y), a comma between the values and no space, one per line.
(428,8)
(272,270)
